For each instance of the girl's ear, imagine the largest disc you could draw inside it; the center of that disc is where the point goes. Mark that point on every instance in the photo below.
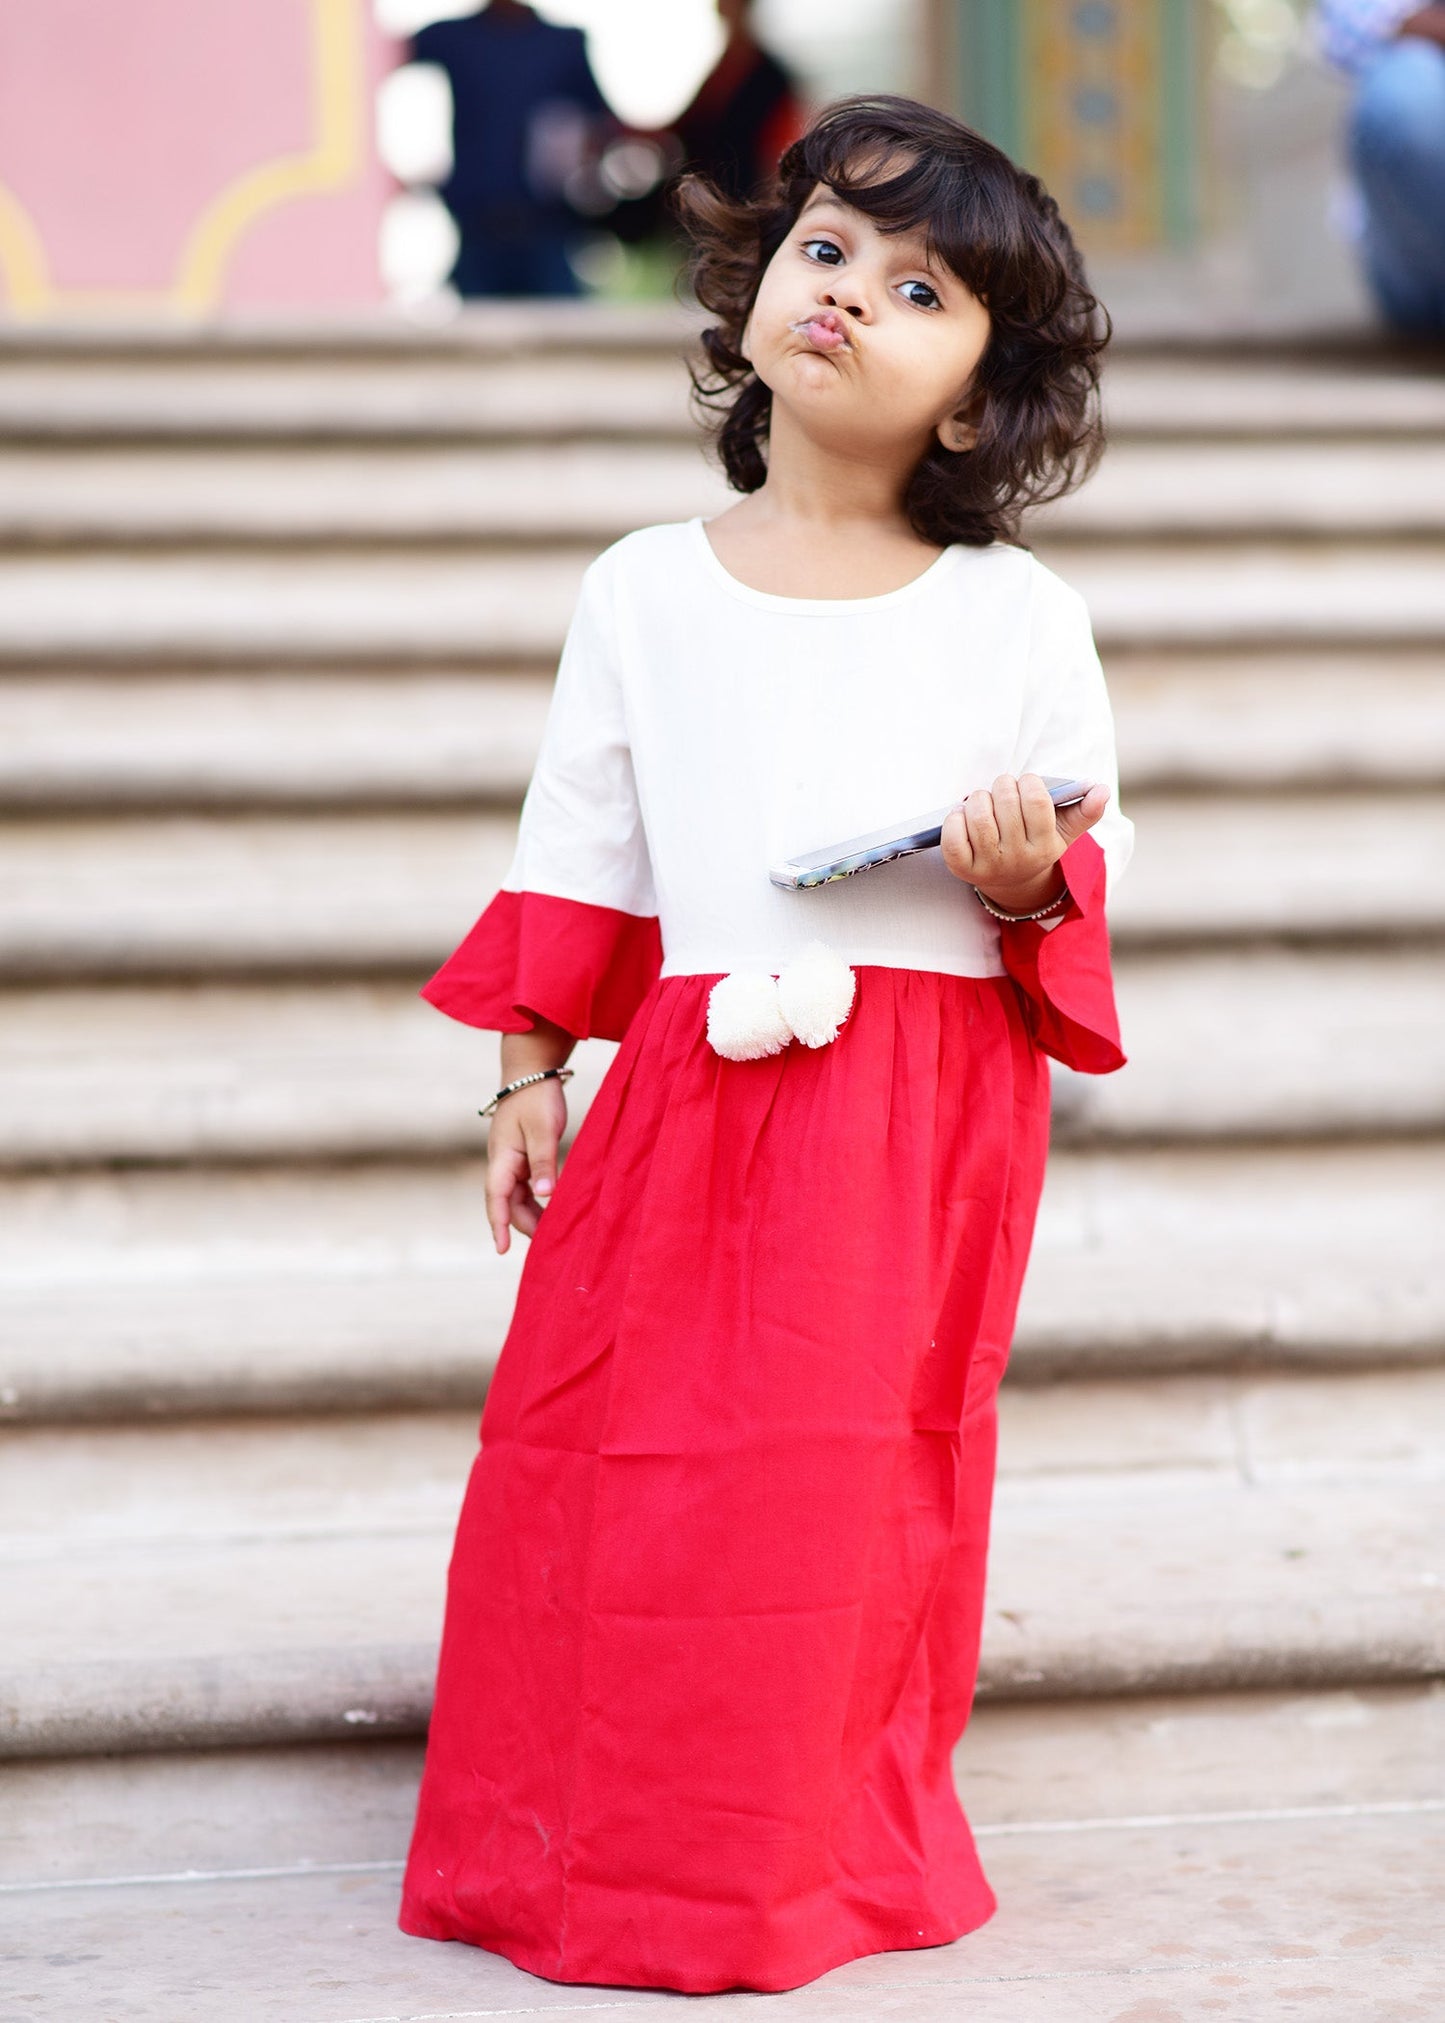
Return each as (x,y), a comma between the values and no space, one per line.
(959,431)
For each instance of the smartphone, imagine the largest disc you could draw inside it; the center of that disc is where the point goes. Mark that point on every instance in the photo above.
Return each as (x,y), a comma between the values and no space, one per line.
(881,846)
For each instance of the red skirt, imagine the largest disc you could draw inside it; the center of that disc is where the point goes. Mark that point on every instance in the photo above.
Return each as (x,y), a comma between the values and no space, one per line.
(714,1608)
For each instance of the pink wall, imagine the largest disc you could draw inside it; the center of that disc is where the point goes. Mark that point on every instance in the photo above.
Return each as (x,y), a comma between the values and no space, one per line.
(176,157)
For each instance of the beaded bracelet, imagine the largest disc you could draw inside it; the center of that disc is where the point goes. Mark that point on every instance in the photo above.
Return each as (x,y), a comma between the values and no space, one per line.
(542,1075)
(1040,913)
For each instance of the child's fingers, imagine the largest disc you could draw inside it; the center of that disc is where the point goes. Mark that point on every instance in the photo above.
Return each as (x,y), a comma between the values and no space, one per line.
(954,844)
(522,1161)
(1008,815)
(505,1164)
(978,814)
(544,1174)
(541,1141)
(1037,811)
(1074,822)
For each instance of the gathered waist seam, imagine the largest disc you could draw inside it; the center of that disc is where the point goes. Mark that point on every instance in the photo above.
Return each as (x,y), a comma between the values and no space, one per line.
(999,975)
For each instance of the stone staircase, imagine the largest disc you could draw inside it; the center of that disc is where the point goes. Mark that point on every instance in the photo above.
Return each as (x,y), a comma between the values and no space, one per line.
(278,615)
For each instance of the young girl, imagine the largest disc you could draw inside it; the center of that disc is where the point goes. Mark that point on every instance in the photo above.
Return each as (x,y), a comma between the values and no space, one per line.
(714,1607)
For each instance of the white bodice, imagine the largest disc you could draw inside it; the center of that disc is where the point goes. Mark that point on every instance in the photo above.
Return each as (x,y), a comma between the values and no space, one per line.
(701,730)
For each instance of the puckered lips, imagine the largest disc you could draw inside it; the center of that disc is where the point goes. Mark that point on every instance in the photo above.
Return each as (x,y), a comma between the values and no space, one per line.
(824,329)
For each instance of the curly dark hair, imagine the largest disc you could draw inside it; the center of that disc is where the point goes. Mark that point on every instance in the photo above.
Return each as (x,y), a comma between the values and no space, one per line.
(1036,390)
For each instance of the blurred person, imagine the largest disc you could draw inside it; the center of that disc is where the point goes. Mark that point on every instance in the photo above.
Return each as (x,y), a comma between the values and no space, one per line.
(526,117)
(1394,51)
(713,1612)
(746,111)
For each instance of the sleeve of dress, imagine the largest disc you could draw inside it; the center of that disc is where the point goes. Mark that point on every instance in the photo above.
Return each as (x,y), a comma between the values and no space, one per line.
(1063,966)
(573,935)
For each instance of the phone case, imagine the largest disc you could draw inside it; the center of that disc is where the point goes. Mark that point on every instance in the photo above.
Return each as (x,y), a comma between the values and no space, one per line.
(881,846)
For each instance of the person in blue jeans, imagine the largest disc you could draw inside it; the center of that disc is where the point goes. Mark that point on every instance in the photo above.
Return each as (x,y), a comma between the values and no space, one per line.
(1395,53)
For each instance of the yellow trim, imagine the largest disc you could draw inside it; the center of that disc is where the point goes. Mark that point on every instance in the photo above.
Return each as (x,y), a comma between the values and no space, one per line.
(335,109)
(337,81)
(22,255)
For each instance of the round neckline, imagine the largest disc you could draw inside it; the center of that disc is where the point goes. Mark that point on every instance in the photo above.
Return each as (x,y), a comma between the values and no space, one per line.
(773,600)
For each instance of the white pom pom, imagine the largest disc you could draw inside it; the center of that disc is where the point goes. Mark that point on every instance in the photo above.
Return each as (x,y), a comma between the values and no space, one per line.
(815,994)
(743,1019)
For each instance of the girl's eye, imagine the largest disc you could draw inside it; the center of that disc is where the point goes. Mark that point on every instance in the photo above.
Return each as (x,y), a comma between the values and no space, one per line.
(932,294)
(828,248)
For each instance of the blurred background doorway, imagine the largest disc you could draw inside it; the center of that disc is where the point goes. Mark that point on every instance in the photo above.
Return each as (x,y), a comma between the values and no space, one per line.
(185,158)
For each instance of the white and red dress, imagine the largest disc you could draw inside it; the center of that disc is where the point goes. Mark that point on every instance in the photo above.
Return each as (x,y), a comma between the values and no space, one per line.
(714,1606)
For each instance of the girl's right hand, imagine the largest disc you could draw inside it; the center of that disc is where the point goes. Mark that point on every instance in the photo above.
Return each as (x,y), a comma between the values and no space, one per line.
(522,1159)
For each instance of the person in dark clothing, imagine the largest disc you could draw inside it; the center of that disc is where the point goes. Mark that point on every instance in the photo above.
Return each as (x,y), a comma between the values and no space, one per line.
(746,111)
(526,113)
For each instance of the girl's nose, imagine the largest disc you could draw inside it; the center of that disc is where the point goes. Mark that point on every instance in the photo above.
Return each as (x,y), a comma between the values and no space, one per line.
(857,307)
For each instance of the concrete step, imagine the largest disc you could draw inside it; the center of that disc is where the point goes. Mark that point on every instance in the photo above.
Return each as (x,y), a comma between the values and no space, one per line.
(284,738)
(569,492)
(293,738)
(311,1288)
(595,490)
(200,1584)
(575,327)
(1258,1043)
(542,369)
(494,604)
(1268,489)
(1254,396)
(508,375)
(1066,1763)
(1311,1256)
(339,893)
(1297,1484)
(1238,1044)
(1194,719)
(72,401)
(1241,1852)
(245,1072)
(226,894)
(361,610)
(1255,593)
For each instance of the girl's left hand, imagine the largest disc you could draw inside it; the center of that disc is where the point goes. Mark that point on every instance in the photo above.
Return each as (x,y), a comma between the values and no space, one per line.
(1007,841)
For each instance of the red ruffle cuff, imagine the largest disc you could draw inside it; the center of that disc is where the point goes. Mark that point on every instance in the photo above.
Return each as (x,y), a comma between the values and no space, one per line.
(1065,974)
(531,955)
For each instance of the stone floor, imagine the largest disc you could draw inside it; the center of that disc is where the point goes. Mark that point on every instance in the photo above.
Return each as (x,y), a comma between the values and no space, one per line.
(1298,1873)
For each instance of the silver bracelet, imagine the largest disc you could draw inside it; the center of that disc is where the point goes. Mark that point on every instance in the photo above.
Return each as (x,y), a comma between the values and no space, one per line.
(542,1075)
(1039,913)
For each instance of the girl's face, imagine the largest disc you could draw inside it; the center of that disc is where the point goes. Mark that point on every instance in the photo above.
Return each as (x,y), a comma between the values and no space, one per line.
(869,344)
